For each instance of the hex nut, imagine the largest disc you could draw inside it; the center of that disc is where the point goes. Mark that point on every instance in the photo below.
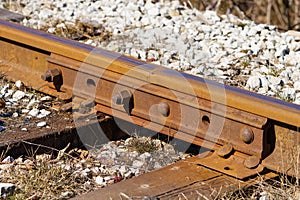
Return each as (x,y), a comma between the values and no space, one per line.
(124,98)
(51,74)
(117,99)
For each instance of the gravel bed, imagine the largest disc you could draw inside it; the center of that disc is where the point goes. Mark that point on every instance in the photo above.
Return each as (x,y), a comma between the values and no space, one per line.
(224,48)
(64,174)
(23,109)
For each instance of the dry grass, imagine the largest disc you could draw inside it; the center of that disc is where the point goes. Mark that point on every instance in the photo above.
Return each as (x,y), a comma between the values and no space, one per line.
(44,181)
(46,177)
(142,145)
(282,13)
(281,188)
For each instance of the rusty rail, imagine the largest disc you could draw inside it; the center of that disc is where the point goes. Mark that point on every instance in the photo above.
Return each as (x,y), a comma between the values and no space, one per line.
(247,132)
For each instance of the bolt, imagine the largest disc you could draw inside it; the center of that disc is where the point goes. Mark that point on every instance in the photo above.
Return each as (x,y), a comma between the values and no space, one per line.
(124,98)
(225,150)
(252,162)
(247,135)
(47,76)
(117,99)
(164,109)
(50,75)
(55,76)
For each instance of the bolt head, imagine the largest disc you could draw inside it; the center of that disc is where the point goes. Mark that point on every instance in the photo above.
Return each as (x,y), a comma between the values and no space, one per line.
(164,109)
(247,135)
(252,162)
(225,150)
(46,76)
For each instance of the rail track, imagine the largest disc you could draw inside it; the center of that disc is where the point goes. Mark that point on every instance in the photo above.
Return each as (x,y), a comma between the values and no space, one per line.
(246,133)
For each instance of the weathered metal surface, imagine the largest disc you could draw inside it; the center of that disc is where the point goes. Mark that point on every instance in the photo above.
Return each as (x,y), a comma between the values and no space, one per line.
(185,177)
(285,157)
(179,112)
(213,188)
(238,166)
(183,106)
(153,74)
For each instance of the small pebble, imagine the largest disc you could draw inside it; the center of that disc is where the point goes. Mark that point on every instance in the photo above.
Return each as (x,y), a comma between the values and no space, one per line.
(18,84)
(8,159)
(18,95)
(46,98)
(43,113)
(100,181)
(6,189)
(41,124)
(34,112)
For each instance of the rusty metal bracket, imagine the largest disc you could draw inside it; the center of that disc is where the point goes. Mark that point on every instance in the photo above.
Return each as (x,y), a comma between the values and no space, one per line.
(235,164)
(245,132)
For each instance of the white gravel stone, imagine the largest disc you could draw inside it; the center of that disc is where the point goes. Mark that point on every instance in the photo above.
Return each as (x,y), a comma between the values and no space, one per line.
(8,159)
(254,82)
(18,84)
(297,86)
(41,124)
(46,98)
(137,164)
(32,103)
(24,129)
(157,165)
(289,94)
(18,95)
(100,181)
(274,80)
(145,156)
(34,112)
(6,189)
(4,90)
(43,113)
(25,110)
(107,178)
(8,93)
